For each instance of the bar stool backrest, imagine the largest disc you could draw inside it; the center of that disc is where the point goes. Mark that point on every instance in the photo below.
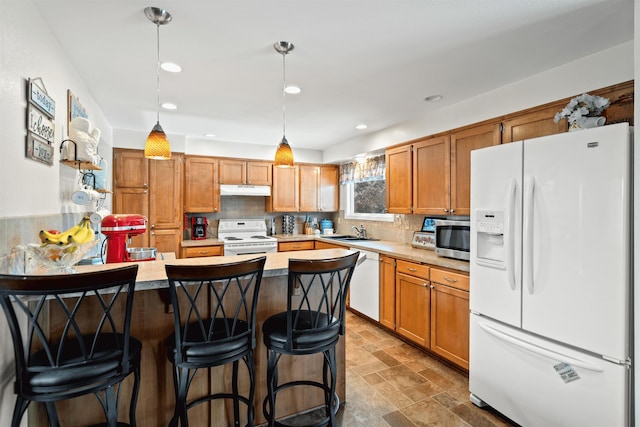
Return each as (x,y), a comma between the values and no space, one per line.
(214,306)
(95,309)
(316,300)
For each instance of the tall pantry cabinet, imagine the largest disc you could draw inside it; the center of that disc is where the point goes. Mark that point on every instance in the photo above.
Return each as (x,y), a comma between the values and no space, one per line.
(151,188)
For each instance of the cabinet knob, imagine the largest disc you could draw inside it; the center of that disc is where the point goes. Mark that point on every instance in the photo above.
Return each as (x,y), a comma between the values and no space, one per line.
(425,284)
(446,210)
(152,226)
(452,210)
(144,192)
(432,286)
(145,184)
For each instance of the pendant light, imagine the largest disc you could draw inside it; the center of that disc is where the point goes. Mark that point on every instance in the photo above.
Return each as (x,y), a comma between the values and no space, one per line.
(284,155)
(157,146)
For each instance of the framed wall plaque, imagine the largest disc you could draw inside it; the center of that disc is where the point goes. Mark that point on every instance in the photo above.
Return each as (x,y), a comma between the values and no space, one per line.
(74,109)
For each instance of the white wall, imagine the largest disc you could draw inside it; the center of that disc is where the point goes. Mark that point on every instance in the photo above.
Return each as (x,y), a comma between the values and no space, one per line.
(611,66)
(28,50)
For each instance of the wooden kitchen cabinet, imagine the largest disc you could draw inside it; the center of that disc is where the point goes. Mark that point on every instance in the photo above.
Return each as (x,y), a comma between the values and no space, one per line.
(130,169)
(329,188)
(201,187)
(450,316)
(309,188)
(296,246)
(151,188)
(413,302)
(245,172)
(432,176)
(324,245)
(533,123)
(399,179)
(165,201)
(388,292)
(202,251)
(285,190)
(462,143)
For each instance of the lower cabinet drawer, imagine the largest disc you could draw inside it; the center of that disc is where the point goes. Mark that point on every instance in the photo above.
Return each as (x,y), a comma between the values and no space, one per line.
(455,280)
(202,251)
(296,246)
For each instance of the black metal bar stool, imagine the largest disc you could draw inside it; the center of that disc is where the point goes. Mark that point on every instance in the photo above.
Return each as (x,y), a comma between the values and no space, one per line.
(313,323)
(89,352)
(214,310)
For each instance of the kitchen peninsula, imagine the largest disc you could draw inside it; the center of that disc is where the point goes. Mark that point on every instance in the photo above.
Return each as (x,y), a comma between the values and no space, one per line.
(153,323)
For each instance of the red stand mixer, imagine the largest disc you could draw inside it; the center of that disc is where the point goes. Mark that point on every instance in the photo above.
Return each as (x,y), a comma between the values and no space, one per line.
(119,228)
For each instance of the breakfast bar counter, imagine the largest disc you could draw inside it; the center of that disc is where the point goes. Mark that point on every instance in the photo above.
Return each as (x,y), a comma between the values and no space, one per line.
(153,322)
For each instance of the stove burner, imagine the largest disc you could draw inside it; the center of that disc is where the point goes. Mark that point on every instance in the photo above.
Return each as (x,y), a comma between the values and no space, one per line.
(258,237)
(232,238)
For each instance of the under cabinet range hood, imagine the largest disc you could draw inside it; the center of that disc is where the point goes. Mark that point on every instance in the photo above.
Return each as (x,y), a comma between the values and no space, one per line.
(244,190)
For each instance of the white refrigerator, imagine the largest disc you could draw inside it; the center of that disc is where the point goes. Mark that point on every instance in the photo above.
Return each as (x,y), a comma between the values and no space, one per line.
(550,276)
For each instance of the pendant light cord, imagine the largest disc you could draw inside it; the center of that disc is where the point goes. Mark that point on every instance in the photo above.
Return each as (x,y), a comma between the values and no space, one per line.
(158,74)
(284,86)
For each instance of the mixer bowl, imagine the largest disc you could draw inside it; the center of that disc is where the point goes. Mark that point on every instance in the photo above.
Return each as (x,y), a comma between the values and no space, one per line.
(142,254)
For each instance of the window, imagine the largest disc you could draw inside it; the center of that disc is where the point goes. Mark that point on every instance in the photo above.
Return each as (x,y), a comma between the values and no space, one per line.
(365,187)
(366,201)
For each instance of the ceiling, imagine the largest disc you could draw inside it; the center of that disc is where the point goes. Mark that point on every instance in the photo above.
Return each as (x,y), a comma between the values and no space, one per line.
(357,61)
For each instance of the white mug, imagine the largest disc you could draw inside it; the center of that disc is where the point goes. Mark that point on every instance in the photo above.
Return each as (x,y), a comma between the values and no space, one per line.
(98,216)
(84,196)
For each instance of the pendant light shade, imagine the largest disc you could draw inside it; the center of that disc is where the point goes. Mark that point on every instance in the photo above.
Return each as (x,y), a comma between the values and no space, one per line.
(157,146)
(284,155)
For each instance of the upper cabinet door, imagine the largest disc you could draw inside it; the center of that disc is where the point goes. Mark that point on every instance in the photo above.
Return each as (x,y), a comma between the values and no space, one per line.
(399,179)
(259,173)
(233,171)
(165,198)
(130,168)
(533,124)
(329,189)
(201,188)
(309,186)
(431,176)
(284,194)
(462,143)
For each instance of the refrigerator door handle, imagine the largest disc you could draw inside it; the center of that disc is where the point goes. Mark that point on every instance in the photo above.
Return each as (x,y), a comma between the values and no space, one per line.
(527,250)
(541,351)
(510,228)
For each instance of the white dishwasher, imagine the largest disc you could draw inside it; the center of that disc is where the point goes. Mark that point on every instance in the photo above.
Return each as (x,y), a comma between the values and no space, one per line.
(364,290)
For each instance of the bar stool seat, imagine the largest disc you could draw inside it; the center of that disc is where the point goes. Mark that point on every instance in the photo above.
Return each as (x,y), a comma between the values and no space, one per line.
(89,349)
(313,323)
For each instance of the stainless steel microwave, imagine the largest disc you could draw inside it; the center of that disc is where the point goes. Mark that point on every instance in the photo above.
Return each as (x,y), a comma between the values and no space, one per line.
(453,238)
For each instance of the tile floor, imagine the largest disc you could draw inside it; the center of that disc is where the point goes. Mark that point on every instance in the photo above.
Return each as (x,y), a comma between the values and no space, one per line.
(391,383)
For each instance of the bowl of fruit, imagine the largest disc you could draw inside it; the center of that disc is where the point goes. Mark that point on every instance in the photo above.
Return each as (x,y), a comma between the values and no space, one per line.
(58,252)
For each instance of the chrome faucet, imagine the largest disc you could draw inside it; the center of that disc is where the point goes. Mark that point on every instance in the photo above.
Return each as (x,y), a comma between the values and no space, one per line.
(360,232)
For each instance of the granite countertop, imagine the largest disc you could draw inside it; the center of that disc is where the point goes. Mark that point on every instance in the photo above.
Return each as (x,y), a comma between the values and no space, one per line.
(384,247)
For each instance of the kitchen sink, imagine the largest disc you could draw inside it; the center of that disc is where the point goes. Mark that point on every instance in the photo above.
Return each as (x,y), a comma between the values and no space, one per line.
(350,238)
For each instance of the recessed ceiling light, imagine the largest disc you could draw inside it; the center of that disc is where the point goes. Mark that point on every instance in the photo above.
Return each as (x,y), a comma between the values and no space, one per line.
(361,126)
(210,135)
(171,67)
(292,90)
(169,106)
(433,98)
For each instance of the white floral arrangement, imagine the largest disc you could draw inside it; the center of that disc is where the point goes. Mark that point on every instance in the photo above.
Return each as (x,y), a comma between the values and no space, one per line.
(584,105)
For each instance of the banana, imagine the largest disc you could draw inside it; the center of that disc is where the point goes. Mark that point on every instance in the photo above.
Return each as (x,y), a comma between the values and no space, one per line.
(70,235)
(84,235)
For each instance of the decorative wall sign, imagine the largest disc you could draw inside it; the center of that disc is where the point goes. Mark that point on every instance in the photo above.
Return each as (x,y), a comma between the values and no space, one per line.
(40,122)
(74,109)
(38,96)
(39,150)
